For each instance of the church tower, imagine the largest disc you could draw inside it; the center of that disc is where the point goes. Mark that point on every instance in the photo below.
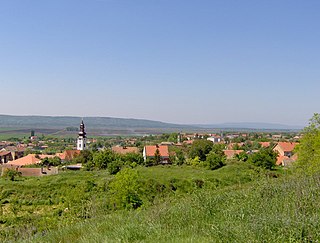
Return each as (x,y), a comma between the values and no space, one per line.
(81,141)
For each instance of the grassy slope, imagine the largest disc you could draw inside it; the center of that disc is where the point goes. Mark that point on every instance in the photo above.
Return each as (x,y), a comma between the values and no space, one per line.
(32,205)
(70,207)
(281,210)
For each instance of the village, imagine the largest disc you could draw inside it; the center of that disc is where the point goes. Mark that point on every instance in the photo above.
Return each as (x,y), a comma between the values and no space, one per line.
(30,157)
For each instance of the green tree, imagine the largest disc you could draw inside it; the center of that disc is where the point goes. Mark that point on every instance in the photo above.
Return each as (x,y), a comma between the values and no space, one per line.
(200,148)
(130,158)
(125,189)
(157,157)
(115,166)
(243,156)
(180,159)
(85,156)
(103,158)
(11,174)
(265,158)
(215,160)
(309,148)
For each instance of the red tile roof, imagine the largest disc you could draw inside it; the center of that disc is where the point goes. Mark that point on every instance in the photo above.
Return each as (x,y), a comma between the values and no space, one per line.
(151,150)
(287,146)
(231,153)
(4,153)
(125,150)
(68,154)
(30,159)
(265,144)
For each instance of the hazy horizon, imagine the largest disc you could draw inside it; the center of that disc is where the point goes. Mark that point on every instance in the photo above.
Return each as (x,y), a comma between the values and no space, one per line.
(183,62)
(199,124)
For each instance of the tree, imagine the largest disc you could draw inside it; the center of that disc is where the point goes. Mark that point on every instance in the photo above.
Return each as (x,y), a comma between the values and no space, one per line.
(103,158)
(11,174)
(265,158)
(125,189)
(157,157)
(200,148)
(243,156)
(180,157)
(130,158)
(309,148)
(114,167)
(215,160)
(85,156)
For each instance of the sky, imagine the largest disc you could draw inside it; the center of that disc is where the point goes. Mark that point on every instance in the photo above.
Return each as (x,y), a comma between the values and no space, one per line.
(178,61)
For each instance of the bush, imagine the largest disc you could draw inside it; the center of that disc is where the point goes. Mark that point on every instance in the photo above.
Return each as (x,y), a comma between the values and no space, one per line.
(114,167)
(265,158)
(125,189)
(200,148)
(11,174)
(215,161)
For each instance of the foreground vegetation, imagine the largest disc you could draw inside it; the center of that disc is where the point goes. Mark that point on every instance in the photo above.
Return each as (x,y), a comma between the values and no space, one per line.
(243,200)
(38,205)
(281,210)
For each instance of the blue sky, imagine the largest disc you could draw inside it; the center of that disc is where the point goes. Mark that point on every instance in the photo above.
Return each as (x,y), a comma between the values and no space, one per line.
(181,61)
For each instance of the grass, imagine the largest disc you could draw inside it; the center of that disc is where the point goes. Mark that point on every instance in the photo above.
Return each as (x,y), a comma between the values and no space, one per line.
(39,204)
(281,210)
(234,203)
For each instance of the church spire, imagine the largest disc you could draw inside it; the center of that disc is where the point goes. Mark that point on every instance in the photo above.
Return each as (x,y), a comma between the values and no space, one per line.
(81,141)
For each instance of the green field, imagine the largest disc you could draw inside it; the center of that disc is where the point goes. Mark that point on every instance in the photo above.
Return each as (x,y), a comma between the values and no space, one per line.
(238,202)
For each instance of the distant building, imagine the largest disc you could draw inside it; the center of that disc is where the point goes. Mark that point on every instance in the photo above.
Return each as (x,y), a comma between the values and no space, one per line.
(125,150)
(265,144)
(16,151)
(68,155)
(30,159)
(214,139)
(230,153)
(285,153)
(285,148)
(150,150)
(81,141)
(5,157)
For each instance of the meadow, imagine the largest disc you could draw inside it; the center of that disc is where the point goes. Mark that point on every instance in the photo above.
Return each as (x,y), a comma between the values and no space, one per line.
(41,205)
(238,202)
(269,210)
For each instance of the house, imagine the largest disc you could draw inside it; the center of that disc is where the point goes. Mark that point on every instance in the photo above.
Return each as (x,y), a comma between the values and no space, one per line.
(167,143)
(230,153)
(150,150)
(214,139)
(230,146)
(16,151)
(30,159)
(285,148)
(188,142)
(125,150)
(276,136)
(68,155)
(5,157)
(264,144)
(30,171)
(285,160)
(285,153)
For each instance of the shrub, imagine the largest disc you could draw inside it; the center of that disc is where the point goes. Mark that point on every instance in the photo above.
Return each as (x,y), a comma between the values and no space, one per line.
(125,189)
(265,158)
(215,161)
(11,174)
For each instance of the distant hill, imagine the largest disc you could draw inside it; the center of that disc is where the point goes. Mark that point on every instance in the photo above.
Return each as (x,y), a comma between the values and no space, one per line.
(105,126)
(90,122)
(251,125)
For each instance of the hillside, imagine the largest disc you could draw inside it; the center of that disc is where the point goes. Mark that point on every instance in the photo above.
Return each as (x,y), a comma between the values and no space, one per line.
(70,121)
(119,126)
(96,126)
(232,204)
